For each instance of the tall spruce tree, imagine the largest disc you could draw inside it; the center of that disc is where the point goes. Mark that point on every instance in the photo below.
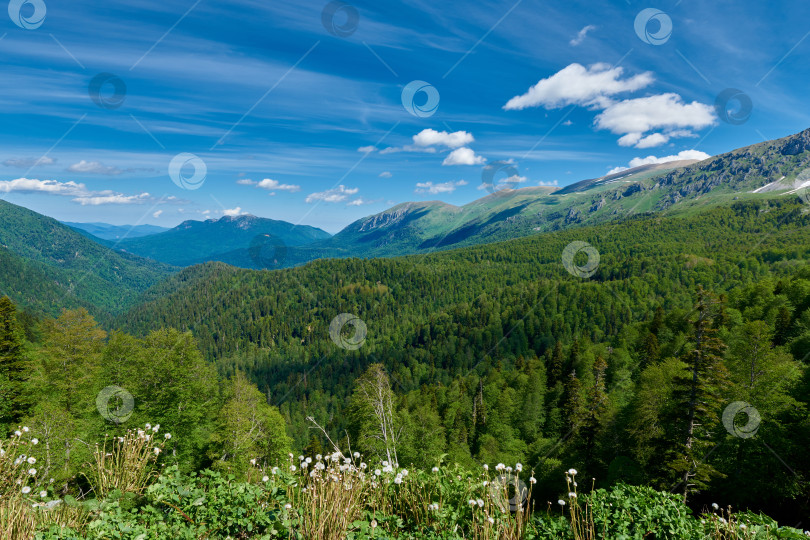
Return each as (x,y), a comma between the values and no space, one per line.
(698,400)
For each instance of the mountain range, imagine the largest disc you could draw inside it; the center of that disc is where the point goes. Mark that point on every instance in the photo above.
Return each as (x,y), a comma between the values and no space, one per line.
(48,265)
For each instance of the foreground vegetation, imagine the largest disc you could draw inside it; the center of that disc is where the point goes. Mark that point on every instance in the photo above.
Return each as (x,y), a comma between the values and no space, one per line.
(334,496)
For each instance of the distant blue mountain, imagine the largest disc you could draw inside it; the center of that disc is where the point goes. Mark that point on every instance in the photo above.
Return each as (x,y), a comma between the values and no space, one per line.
(105,231)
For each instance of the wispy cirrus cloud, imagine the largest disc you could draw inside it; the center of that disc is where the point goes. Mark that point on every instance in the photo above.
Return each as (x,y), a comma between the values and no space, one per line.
(434,189)
(79,192)
(25,163)
(94,167)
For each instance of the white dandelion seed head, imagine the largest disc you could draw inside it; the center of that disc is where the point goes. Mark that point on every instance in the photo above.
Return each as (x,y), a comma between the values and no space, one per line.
(26,490)
(572,472)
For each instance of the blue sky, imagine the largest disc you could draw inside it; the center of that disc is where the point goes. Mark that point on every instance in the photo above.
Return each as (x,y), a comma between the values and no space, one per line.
(296,123)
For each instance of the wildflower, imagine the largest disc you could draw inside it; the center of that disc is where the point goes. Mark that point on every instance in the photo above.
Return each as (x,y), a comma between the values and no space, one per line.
(485,483)
(385,464)
(398,480)
(32,460)
(274,470)
(167,435)
(561,502)
(18,433)
(377,472)
(301,458)
(486,467)
(373,523)
(572,495)
(500,467)
(32,471)
(471,502)
(509,469)
(265,478)
(572,472)
(304,464)
(356,454)
(26,490)
(156,450)
(491,520)
(742,526)
(532,480)
(480,503)
(519,467)
(404,472)
(308,460)
(290,454)
(363,466)
(34,441)
(435,469)
(319,457)
(253,461)
(25,429)
(292,468)
(148,426)
(287,506)
(43,494)
(715,506)
(156,428)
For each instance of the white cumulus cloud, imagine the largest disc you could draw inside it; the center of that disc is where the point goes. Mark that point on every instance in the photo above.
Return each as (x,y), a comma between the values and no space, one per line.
(431,137)
(650,160)
(633,118)
(272,185)
(463,156)
(338,194)
(579,85)
(233,212)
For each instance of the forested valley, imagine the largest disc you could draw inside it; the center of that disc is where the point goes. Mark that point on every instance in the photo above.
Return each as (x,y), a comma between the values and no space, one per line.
(489,354)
